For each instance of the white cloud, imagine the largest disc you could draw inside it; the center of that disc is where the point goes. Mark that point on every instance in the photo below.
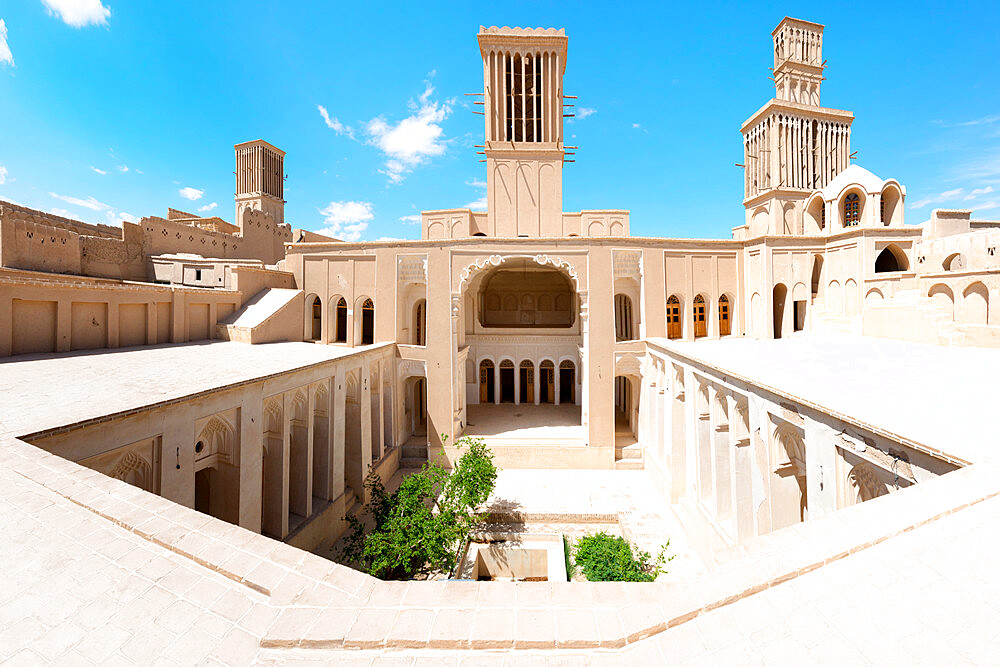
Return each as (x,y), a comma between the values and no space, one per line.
(414,140)
(3,174)
(89,202)
(988,206)
(476,183)
(478,205)
(207,207)
(138,171)
(939,198)
(79,13)
(99,171)
(123,168)
(346,220)
(979,191)
(410,219)
(127,217)
(635,126)
(986,120)
(55,210)
(583,112)
(191,193)
(5,55)
(389,238)
(333,123)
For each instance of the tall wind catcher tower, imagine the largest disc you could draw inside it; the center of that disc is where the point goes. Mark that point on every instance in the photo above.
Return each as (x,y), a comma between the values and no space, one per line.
(792,145)
(523,103)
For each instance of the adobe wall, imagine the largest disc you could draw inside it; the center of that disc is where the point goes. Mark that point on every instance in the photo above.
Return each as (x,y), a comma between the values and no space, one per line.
(50,313)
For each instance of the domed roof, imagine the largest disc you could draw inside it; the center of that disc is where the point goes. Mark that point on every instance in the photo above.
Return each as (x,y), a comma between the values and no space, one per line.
(854,175)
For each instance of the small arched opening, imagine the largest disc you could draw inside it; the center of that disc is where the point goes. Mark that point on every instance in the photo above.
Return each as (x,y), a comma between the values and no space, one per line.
(625,404)
(954,262)
(943,298)
(567,382)
(890,259)
(420,322)
(340,318)
(817,275)
(674,324)
(815,215)
(890,210)
(779,295)
(624,325)
(698,313)
(367,322)
(507,381)
(315,310)
(975,304)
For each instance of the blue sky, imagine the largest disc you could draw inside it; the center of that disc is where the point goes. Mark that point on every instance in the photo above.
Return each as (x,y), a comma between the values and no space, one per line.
(113,109)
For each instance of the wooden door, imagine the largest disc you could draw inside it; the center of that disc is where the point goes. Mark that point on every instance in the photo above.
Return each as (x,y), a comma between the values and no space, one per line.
(699,318)
(673,318)
(724,328)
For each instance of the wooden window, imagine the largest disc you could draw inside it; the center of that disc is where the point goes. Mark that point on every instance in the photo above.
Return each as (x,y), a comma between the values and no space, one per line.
(852,210)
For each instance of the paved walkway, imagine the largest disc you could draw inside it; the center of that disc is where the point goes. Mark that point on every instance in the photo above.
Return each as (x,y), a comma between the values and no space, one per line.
(526,423)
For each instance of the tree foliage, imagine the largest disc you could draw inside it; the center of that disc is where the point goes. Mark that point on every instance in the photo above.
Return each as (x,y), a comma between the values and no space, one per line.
(420,527)
(603,557)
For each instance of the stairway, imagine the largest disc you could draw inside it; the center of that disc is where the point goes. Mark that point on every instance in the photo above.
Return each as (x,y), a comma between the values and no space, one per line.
(414,453)
(628,451)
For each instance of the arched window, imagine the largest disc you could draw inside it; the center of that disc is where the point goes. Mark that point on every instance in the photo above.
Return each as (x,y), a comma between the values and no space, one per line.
(674,326)
(567,382)
(367,322)
(420,323)
(623,318)
(822,217)
(852,210)
(890,259)
(724,324)
(316,331)
(698,311)
(341,321)
(486,389)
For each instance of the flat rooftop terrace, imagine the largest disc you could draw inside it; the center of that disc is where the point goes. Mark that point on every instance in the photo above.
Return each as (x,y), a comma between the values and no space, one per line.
(44,391)
(939,397)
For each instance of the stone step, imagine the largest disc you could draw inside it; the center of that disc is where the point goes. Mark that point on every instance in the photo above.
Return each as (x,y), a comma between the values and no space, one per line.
(412,463)
(629,464)
(414,452)
(630,452)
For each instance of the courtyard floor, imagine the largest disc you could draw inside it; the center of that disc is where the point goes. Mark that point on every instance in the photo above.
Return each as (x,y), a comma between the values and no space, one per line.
(526,424)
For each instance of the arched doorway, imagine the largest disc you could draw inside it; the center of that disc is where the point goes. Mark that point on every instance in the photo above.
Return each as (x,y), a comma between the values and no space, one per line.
(698,311)
(567,382)
(725,328)
(367,322)
(779,294)
(624,397)
(420,323)
(316,319)
(203,490)
(623,318)
(341,321)
(674,325)
(817,275)
(527,381)
(506,381)
(546,382)
(486,379)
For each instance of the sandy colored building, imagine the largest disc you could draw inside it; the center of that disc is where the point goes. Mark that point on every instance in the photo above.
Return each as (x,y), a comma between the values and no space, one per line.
(255,375)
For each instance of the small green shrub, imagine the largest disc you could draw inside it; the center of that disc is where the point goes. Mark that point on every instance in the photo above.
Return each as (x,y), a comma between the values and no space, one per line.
(603,557)
(420,526)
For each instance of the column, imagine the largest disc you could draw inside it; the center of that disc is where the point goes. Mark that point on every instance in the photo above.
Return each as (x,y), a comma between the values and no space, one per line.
(517,385)
(365,400)
(338,410)
(251,469)
(555,380)
(286,453)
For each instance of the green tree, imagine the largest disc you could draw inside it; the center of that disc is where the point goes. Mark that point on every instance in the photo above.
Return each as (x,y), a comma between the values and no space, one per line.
(421,526)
